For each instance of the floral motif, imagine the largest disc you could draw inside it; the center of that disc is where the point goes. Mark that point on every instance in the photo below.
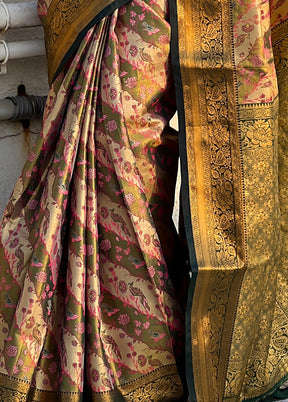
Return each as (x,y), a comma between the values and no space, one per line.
(11,350)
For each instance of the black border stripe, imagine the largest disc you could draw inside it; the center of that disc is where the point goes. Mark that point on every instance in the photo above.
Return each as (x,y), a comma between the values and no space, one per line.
(184,190)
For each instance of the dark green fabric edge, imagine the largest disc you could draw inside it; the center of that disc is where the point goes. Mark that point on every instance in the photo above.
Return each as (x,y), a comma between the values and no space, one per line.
(184,191)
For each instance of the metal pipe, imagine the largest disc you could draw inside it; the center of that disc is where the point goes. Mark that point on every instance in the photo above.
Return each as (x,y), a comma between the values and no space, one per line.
(6,109)
(18,50)
(18,15)
(17,108)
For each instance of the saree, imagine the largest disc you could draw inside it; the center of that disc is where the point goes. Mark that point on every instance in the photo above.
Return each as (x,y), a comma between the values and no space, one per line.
(88,310)
(90,264)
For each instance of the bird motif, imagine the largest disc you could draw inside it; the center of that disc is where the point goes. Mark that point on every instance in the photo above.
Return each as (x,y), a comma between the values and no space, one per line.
(36,333)
(29,323)
(64,353)
(70,315)
(136,262)
(46,354)
(145,56)
(154,362)
(155,242)
(76,237)
(109,340)
(57,157)
(157,336)
(106,382)
(149,29)
(9,302)
(47,221)
(20,255)
(110,310)
(118,218)
(137,292)
(36,262)
(99,145)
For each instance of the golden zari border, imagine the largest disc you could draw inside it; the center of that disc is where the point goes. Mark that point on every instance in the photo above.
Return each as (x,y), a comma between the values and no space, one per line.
(64,21)
(158,385)
(215,185)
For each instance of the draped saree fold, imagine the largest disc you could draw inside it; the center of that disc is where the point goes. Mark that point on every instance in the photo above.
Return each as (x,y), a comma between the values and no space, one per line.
(88,311)
(91,266)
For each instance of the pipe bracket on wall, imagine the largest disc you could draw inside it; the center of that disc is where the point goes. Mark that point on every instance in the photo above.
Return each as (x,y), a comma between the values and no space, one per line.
(18,15)
(17,108)
(3,62)
(4,13)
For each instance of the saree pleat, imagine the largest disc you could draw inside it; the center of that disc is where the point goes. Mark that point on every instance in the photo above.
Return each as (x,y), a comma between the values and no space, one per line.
(89,310)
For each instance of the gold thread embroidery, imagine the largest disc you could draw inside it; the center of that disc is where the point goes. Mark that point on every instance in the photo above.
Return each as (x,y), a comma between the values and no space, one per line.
(65,19)
(162,383)
(215,184)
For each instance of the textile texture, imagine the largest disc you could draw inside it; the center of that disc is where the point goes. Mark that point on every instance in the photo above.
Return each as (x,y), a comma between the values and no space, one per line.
(89,310)
(233,59)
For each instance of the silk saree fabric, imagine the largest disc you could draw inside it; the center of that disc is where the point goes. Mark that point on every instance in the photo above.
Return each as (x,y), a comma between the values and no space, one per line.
(88,311)
(232,99)
(88,233)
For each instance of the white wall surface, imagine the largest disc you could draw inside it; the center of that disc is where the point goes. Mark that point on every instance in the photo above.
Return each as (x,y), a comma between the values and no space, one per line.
(14,142)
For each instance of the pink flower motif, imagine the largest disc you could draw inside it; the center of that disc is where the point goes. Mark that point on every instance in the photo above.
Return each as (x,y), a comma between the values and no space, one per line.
(89,249)
(91,173)
(147,239)
(105,245)
(127,167)
(256,61)
(122,286)
(14,243)
(129,198)
(131,82)
(151,271)
(11,351)
(113,93)
(95,375)
(52,367)
(80,328)
(31,156)
(138,331)
(122,10)
(163,39)
(41,277)
(111,125)
(133,50)
(26,369)
(142,360)
(124,319)
(92,295)
(32,204)
(146,325)
(247,27)
(104,212)
(107,51)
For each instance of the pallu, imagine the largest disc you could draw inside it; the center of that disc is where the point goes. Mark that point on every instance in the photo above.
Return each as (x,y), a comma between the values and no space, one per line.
(92,271)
